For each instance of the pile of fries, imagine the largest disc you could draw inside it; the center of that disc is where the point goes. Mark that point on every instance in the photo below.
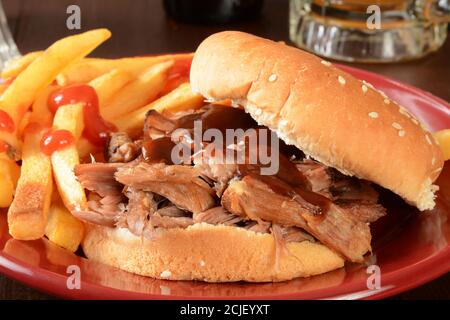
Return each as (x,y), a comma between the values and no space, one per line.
(42,191)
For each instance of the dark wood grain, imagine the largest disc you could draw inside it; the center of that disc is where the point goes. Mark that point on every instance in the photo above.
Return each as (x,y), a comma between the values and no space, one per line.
(141,27)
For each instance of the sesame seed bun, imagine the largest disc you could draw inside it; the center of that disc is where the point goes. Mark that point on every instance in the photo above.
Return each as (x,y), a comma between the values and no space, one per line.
(327,113)
(208,253)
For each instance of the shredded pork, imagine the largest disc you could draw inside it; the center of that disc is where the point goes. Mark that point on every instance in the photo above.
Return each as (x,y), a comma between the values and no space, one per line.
(142,190)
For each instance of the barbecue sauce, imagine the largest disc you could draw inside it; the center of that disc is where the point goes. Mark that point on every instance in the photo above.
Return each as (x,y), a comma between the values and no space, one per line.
(158,150)
(289,181)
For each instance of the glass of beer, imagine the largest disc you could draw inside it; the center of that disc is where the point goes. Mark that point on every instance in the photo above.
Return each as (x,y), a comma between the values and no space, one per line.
(8,48)
(369,30)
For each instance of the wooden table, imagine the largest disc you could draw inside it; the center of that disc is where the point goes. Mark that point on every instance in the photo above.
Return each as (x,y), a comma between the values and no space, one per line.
(141,27)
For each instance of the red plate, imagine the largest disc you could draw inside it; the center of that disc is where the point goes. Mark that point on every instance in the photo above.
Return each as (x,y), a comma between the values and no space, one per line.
(410,248)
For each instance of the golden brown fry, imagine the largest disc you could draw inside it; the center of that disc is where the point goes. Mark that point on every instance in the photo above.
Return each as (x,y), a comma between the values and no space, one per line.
(182,98)
(443,138)
(23,124)
(85,148)
(139,92)
(9,174)
(40,113)
(27,216)
(63,228)
(88,69)
(15,67)
(108,84)
(3,87)
(19,96)
(69,117)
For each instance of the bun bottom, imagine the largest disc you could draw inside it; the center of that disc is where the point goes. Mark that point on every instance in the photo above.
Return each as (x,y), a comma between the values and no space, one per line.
(208,253)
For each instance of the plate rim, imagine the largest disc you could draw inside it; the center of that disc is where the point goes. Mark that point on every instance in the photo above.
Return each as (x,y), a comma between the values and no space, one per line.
(48,281)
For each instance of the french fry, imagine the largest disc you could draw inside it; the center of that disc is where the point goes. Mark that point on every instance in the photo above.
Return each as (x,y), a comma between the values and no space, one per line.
(19,96)
(3,87)
(182,98)
(69,117)
(40,113)
(138,93)
(108,84)
(85,148)
(27,215)
(63,228)
(23,124)
(90,68)
(443,138)
(72,194)
(9,174)
(15,67)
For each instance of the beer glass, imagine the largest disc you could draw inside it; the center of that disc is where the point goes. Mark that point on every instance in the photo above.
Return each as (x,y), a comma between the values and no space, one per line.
(369,30)
(8,48)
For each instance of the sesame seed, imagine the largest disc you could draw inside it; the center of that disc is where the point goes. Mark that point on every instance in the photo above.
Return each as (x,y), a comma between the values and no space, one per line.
(423,126)
(273,77)
(383,94)
(258,112)
(283,123)
(325,63)
(387,101)
(401,133)
(438,170)
(397,126)
(427,137)
(341,80)
(364,88)
(433,161)
(367,84)
(166,274)
(414,120)
(202,263)
(373,114)
(404,112)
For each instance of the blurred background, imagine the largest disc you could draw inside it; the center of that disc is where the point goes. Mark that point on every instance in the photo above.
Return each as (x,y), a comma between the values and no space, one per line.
(402,39)
(412,35)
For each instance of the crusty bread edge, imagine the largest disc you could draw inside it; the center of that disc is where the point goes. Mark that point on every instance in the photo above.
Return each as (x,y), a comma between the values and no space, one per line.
(291,92)
(208,253)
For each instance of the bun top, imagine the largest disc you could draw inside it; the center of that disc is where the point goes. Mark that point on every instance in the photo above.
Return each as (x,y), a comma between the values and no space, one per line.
(331,116)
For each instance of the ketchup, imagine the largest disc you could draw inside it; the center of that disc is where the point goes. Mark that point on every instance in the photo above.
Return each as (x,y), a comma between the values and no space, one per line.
(55,140)
(6,122)
(178,74)
(32,127)
(3,146)
(96,129)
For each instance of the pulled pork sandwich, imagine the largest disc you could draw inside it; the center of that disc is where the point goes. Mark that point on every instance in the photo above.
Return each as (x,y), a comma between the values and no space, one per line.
(221,221)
